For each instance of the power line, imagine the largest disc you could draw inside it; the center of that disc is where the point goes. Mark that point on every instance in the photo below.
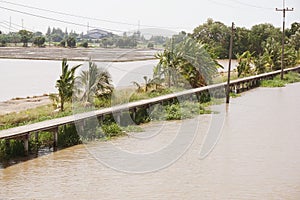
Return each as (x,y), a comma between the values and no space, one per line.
(223,4)
(4,25)
(57,20)
(19,26)
(251,5)
(89,18)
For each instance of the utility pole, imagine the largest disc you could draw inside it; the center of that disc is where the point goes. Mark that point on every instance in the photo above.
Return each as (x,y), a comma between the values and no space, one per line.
(22,24)
(229,65)
(10,24)
(283,35)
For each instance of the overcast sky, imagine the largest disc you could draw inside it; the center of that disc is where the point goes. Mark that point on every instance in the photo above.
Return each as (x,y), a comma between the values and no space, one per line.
(170,14)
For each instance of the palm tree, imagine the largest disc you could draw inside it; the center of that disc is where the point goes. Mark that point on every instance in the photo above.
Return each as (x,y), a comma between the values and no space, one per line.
(167,66)
(190,60)
(95,82)
(198,67)
(148,84)
(65,83)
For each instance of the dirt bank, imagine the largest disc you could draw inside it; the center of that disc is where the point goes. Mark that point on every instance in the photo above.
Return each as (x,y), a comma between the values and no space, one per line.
(20,104)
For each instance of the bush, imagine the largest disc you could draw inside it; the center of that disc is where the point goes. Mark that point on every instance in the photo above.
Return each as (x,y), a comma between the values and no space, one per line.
(68,136)
(71,42)
(150,45)
(111,130)
(173,112)
(39,41)
(182,110)
(102,102)
(3,40)
(62,43)
(85,44)
(13,149)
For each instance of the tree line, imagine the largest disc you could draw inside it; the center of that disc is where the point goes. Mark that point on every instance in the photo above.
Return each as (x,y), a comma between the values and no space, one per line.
(257,49)
(58,37)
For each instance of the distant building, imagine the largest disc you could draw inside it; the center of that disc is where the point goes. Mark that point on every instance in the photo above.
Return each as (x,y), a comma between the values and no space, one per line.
(96,34)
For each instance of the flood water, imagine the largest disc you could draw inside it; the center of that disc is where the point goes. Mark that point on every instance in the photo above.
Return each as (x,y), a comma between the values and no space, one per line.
(22,78)
(256,157)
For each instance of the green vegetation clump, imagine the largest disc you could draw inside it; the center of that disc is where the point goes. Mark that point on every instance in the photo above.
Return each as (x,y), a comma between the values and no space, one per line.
(132,129)
(68,136)
(272,83)
(178,111)
(234,95)
(11,148)
(291,77)
(112,130)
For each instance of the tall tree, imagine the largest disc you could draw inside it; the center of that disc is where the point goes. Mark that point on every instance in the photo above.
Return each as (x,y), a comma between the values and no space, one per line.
(216,35)
(25,37)
(259,34)
(295,40)
(39,41)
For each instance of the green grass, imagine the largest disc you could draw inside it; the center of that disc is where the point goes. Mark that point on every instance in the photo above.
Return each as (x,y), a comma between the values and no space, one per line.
(33,115)
(291,77)
(272,83)
(234,95)
(132,129)
(178,111)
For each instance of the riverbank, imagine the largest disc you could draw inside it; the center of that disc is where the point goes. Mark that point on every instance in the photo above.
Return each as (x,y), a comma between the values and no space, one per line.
(78,54)
(21,104)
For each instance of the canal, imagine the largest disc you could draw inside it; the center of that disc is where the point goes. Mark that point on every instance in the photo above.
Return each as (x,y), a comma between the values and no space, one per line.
(257,156)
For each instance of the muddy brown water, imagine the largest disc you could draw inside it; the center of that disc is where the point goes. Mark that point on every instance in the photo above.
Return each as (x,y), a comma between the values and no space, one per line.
(256,157)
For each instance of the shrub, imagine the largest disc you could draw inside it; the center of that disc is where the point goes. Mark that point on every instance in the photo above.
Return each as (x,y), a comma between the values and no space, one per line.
(13,149)
(68,136)
(62,43)
(71,42)
(85,44)
(39,41)
(111,130)
(150,45)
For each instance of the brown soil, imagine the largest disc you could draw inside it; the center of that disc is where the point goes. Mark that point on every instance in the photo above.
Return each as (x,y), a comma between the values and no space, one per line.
(20,104)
